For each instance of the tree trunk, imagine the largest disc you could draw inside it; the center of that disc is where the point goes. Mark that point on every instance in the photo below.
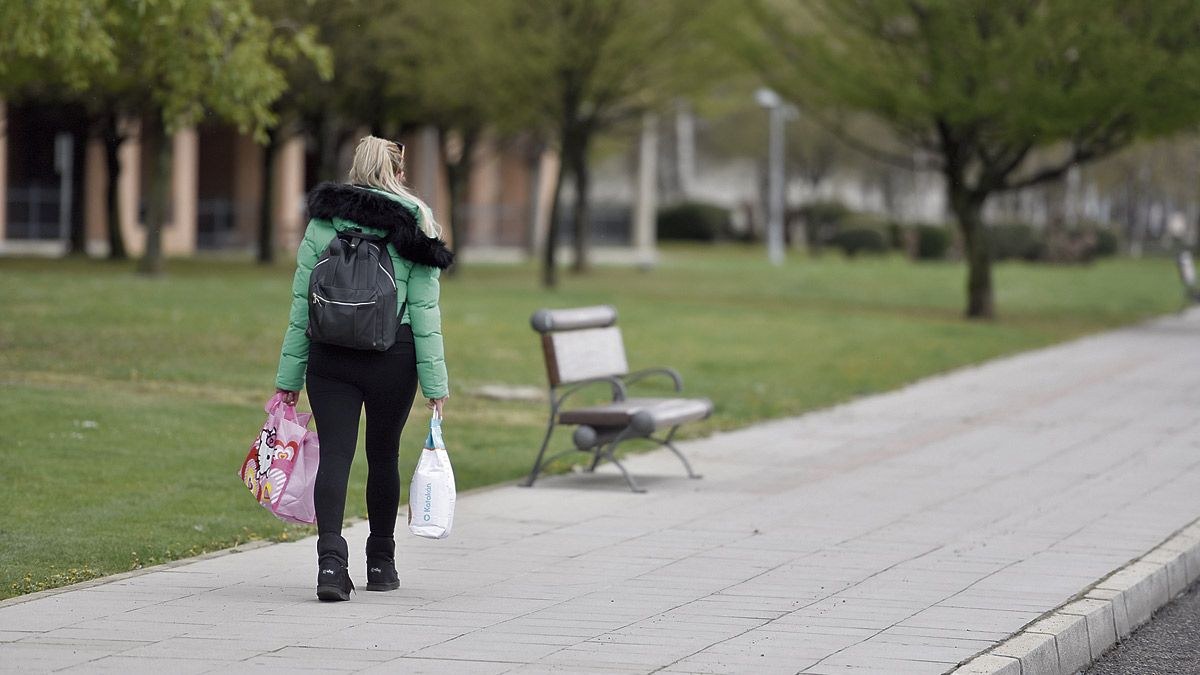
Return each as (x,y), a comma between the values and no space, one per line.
(549,253)
(968,210)
(580,215)
(266,210)
(77,243)
(113,138)
(158,188)
(458,175)
(327,149)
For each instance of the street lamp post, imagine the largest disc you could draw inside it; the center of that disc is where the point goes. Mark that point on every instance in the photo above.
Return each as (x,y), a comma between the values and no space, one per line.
(779,113)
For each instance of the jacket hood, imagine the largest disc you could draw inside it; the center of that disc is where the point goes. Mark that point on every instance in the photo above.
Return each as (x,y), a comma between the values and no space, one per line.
(367,208)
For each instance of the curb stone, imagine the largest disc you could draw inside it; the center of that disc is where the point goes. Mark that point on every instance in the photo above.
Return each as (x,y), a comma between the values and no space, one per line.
(1068,639)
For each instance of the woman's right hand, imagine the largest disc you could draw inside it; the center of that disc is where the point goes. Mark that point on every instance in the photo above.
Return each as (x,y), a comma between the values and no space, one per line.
(436,404)
(288,397)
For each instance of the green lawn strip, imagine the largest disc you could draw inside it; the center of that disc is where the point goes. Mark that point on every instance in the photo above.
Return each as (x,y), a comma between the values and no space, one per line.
(104,480)
(173,372)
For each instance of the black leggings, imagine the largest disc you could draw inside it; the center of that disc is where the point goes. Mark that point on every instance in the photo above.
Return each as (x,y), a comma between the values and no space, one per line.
(340,381)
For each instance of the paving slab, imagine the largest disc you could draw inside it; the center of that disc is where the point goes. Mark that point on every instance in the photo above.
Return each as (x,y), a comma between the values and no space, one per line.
(901,533)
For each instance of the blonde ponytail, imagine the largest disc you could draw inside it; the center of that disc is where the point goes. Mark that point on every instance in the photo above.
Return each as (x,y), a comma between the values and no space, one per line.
(378,163)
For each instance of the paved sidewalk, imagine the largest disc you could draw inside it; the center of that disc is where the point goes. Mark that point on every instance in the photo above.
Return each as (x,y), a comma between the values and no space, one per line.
(902,533)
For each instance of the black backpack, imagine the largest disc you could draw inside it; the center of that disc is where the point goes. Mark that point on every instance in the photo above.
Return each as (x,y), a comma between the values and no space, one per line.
(352,294)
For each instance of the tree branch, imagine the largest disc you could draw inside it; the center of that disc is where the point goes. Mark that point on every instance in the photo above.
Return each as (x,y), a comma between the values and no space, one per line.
(1112,138)
(885,156)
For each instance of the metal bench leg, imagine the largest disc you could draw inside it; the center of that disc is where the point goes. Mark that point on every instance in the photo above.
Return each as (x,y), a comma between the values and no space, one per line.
(537,464)
(612,457)
(610,452)
(671,446)
(597,455)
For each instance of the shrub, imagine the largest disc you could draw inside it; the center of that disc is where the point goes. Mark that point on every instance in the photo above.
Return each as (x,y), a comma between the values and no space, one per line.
(694,221)
(857,240)
(1015,241)
(1107,243)
(932,242)
(895,236)
(822,221)
(819,214)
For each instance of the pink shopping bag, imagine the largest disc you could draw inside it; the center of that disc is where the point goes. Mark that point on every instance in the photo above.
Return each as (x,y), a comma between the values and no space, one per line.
(281,468)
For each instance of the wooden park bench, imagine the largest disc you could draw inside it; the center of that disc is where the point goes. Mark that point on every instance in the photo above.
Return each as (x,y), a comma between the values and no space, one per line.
(1187,276)
(583,348)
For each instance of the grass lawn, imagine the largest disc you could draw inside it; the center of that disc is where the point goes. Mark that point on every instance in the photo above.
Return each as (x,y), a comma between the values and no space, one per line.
(127,404)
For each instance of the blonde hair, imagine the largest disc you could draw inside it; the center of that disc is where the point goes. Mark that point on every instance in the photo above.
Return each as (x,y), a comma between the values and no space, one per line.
(378,163)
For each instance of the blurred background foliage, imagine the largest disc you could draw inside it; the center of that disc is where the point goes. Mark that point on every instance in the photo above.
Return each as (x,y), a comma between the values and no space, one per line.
(991,98)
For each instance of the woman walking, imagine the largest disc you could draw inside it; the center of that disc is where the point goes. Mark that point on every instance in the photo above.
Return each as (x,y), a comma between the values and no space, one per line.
(342,381)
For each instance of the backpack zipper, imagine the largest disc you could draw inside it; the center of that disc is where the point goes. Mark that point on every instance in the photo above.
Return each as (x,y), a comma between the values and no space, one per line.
(318,299)
(381,269)
(385,273)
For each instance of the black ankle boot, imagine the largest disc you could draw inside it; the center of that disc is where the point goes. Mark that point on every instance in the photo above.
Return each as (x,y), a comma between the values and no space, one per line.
(381,564)
(333,577)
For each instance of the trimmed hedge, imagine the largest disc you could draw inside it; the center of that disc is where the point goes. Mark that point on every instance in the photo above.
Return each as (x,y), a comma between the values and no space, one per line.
(822,221)
(932,242)
(860,240)
(1015,241)
(1107,243)
(694,221)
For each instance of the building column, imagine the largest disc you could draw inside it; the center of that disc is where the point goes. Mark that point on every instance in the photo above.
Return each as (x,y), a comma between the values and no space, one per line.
(179,236)
(483,194)
(95,210)
(3,169)
(515,197)
(129,186)
(288,206)
(646,208)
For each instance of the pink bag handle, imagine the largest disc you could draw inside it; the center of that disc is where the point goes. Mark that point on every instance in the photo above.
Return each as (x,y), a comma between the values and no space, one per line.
(289,411)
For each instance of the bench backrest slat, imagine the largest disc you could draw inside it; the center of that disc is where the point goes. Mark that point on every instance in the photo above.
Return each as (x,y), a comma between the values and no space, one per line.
(575,318)
(576,355)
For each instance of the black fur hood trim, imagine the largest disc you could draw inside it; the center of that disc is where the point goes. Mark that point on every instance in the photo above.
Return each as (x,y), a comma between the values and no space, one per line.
(370,209)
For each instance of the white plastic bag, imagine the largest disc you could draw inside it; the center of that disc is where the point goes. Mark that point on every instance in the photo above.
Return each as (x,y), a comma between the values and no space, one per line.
(431,494)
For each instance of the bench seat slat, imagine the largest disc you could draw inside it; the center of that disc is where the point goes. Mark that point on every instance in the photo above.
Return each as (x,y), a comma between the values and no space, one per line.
(664,411)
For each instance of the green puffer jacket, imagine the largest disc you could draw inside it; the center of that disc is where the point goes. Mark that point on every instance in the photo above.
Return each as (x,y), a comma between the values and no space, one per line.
(417,259)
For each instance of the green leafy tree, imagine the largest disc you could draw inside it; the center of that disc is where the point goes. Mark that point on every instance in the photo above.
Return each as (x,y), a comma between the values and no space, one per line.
(63,40)
(578,67)
(403,63)
(369,45)
(308,67)
(449,69)
(1001,94)
(173,62)
(49,50)
(183,59)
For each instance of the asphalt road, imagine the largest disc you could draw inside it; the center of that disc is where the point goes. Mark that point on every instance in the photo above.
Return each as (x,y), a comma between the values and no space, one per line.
(1168,645)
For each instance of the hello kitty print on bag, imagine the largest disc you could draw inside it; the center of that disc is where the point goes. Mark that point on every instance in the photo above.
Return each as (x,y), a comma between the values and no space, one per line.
(281,467)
